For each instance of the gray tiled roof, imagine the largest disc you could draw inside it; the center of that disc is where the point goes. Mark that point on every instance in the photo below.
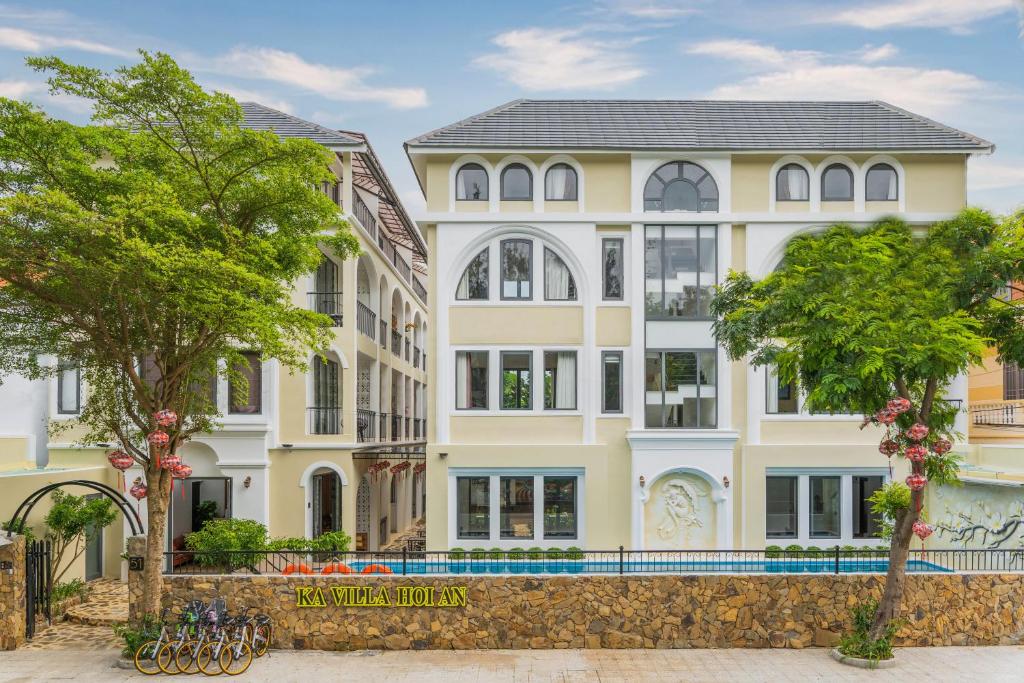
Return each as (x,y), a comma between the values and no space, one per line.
(262,117)
(700,125)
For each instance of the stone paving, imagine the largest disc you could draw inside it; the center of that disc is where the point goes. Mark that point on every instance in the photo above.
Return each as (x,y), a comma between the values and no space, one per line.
(106,604)
(961,664)
(89,625)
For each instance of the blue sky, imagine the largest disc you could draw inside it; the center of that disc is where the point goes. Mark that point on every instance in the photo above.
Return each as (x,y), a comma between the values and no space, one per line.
(397,69)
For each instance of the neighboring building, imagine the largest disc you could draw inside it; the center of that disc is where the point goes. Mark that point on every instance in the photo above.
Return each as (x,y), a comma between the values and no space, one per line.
(579,396)
(293,453)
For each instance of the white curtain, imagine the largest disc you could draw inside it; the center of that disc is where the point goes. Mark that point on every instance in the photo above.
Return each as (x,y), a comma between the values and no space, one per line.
(556,277)
(797,184)
(773,390)
(892,186)
(565,381)
(462,379)
(463,291)
(560,183)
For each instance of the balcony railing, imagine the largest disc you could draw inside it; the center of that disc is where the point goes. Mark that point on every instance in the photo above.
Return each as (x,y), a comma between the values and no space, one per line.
(383,334)
(420,290)
(366,319)
(324,420)
(396,427)
(328,303)
(998,414)
(396,343)
(364,215)
(419,428)
(383,431)
(332,191)
(408,351)
(366,425)
(401,264)
(408,428)
(416,357)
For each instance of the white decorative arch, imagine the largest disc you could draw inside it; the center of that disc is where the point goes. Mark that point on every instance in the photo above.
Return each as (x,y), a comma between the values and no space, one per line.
(305,482)
(772,257)
(576,166)
(492,179)
(720,184)
(365,263)
(814,189)
(858,178)
(901,184)
(723,518)
(537,189)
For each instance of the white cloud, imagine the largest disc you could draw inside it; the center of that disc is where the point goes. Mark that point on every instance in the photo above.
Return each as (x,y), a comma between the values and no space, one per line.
(331,82)
(18,90)
(957,15)
(31,41)
(878,53)
(561,59)
(659,10)
(246,95)
(414,203)
(799,75)
(992,173)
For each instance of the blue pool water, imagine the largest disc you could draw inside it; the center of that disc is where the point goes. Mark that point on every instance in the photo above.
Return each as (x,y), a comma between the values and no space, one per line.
(612,566)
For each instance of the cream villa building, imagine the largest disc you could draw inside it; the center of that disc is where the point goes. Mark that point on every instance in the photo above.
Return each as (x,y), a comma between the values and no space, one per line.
(294,453)
(578,396)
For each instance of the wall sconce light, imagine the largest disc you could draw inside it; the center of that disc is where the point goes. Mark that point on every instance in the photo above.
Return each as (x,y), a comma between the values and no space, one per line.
(725,482)
(442,455)
(103,444)
(643,481)
(287,445)
(247,482)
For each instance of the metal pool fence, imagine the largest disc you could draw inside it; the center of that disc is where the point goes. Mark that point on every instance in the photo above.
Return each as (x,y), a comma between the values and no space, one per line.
(621,561)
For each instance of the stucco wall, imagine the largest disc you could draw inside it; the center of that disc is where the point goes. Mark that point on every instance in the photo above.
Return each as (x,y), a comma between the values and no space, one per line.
(515,324)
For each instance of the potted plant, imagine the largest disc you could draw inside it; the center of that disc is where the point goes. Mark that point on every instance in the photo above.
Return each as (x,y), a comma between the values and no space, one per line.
(574,557)
(515,558)
(478,560)
(555,559)
(456,560)
(497,558)
(535,560)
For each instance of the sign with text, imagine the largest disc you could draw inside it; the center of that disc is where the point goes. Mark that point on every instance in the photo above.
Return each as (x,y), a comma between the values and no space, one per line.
(381,596)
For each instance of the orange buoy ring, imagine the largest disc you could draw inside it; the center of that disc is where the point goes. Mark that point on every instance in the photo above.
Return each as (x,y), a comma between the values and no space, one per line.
(376,569)
(338,568)
(301,568)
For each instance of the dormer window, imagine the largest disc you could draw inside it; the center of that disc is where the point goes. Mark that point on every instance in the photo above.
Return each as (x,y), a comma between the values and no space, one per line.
(837,184)
(471,183)
(516,183)
(881,184)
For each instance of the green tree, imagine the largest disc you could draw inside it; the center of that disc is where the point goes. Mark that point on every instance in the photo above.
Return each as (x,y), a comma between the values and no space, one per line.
(858,317)
(150,245)
(71,522)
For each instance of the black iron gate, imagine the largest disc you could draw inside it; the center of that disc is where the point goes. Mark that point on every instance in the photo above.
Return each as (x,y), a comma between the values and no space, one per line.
(37,584)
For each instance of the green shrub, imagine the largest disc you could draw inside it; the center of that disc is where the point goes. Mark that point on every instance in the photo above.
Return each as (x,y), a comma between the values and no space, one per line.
(794,548)
(516,554)
(574,553)
(535,553)
(555,554)
(68,589)
(812,551)
(20,528)
(217,543)
(478,554)
(773,551)
(859,644)
(496,554)
(331,541)
(848,548)
(134,636)
(457,554)
(287,543)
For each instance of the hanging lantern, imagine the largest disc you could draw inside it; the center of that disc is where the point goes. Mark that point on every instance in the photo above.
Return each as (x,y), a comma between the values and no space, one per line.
(120,460)
(158,439)
(898,405)
(138,490)
(922,529)
(181,471)
(917,482)
(165,418)
(917,431)
(942,446)
(888,447)
(916,453)
(420,468)
(170,461)
(885,416)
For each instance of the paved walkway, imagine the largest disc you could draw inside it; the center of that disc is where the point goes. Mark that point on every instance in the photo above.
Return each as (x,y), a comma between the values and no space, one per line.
(88,626)
(959,664)
(106,604)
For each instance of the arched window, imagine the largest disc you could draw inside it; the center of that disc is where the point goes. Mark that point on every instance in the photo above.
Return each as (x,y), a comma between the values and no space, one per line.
(560,183)
(792,184)
(680,186)
(471,183)
(837,184)
(516,183)
(473,285)
(558,282)
(881,184)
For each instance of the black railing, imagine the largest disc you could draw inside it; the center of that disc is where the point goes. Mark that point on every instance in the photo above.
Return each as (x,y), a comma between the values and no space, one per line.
(366,319)
(324,420)
(333,191)
(420,290)
(396,427)
(383,334)
(366,425)
(419,428)
(383,432)
(408,428)
(998,414)
(396,343)
(328,303)
(401,264)
(364,215)
(408,351)
(416,357)
(621,561)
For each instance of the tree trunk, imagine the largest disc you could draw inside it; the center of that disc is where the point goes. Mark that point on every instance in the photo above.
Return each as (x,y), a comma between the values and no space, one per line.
(895,579)
(158,482)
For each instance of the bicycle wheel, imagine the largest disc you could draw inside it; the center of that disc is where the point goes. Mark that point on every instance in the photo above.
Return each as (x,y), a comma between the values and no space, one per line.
(235,658)
(165,658)
(146,658)
(185,659)
(261,639)
(206,658)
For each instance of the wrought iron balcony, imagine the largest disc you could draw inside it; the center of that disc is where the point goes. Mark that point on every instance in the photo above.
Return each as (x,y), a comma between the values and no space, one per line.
(328,303)
(366,425)
(364,215)
(324,420)
(366,319)
(383,334)
(396,343)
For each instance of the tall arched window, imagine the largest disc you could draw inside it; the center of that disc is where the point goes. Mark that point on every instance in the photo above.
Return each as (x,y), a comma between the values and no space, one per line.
(560,183)
(792,184)
(837,184)
(471,183)
(516,183)
(558,282)
(473,284)
(680,186)
(881,184)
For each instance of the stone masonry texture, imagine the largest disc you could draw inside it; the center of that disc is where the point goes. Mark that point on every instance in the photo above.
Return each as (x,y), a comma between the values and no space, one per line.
(710,611)
(12,594)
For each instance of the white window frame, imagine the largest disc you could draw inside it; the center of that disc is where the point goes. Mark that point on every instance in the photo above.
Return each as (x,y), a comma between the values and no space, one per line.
(494,380)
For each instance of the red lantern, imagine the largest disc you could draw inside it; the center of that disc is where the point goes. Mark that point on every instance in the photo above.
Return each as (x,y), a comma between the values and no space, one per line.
(120,460)
(917,431)
(917,482)
(138,490)
(888,447)
(158,439)
(165,418)
(181,471)
(170,461)
(942,446)
(916,453)
(885,416)
(922,530)
(898,405)
(420,468)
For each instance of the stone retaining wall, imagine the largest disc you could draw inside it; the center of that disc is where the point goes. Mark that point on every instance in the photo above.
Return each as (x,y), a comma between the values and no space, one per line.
(613,611)
(12,593)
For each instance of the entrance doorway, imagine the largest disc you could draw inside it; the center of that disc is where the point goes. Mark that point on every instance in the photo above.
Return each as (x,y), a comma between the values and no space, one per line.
(326,502)
(204,498)
(93,547)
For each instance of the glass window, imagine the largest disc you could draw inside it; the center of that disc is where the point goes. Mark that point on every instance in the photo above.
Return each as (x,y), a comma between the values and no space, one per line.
(681,389)
(473,500)
(611,260)
(325,411)
(881,184)
(516,269)
(558,282)
(680,186)
(865,523)
(680,271)
(247,400)
(782,399)
(473,285)
(471,380)
(781,507)
(515,380)
(826,504)
(516,496)
(516,183)
(560,380)
(792,184)
(837,184)
(69,390)
(560,507)
(560,183)
(471,183)
(1013,382)
(611,381)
